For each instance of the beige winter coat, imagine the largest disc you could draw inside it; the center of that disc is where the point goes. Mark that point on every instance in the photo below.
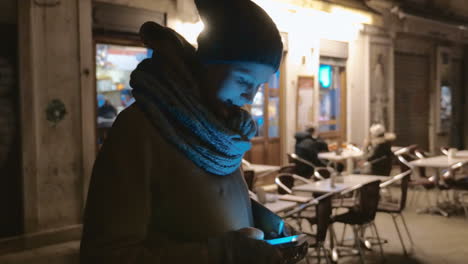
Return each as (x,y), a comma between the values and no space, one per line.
(147,203)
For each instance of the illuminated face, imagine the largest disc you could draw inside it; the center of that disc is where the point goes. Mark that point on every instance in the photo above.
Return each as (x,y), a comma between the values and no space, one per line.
(236,84)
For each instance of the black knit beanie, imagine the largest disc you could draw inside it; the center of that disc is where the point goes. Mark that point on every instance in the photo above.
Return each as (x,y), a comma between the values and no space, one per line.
(238,31)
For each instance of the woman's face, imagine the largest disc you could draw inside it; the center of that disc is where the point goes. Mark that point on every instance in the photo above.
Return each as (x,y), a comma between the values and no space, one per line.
(236,84)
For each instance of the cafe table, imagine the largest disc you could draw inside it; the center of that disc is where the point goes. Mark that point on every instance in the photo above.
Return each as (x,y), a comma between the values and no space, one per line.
(342,183)
(261,169)
(347,155)
(461,154)
(438,163)
(280,206)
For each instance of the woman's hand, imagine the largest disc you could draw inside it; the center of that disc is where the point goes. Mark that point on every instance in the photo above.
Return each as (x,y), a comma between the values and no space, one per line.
(253,233)
(245,246)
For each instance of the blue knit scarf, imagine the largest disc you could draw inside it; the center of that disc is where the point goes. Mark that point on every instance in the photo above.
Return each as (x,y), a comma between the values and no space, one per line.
(168,94)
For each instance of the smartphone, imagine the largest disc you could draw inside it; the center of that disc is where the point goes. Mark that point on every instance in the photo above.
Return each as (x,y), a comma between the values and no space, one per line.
(287,241)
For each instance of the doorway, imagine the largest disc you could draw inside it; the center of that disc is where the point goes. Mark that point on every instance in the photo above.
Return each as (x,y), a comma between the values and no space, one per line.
(412,99)
(332,99)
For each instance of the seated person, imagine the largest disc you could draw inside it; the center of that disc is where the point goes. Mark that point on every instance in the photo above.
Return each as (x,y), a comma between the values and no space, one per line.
(307,147)
(378,151)
(105,108)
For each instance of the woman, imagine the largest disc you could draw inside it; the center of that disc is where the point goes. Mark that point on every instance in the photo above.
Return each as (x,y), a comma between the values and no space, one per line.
(379,153)
(166,185)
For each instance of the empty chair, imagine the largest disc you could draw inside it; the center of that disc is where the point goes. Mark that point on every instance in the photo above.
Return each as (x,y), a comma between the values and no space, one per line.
(362,214)
(456,179)
(285,182)
(423,182)
(318,173)
(396,209)
(321,219)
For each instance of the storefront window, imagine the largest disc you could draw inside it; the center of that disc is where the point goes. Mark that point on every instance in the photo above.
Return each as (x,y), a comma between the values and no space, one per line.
(273,106)
(257,111)
(330,89)
(114,64)
(265,108)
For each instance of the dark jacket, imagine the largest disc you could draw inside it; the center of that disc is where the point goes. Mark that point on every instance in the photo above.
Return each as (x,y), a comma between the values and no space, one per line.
(381,156)
(308,148)
(148,203)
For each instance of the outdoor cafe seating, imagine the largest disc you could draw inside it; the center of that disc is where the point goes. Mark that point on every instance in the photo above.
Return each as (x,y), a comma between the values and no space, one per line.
(353,200)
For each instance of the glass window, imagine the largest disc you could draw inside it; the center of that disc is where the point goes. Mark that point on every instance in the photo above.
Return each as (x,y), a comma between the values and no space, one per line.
(330,94)
(257,111)
(273,106)
(114,64)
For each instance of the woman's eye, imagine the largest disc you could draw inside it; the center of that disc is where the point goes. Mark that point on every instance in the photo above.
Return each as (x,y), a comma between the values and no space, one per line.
(242,82)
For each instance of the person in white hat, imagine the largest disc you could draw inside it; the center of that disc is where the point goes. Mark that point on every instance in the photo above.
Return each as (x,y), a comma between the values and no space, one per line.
(379,155)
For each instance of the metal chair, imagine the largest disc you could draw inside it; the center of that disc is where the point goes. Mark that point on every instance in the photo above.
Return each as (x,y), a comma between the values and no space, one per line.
(457,181)
(362,214)
(320,173)
(395,210)
(444,150)
(321,219)
(285,182)
(423,182)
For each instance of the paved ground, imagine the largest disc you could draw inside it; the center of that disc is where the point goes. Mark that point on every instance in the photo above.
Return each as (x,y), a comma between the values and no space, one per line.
(438,240)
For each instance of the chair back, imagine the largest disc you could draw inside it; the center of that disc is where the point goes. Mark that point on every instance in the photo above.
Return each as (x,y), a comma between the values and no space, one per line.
(304,167)
(289,168)
(249,176)
(404,191)
(323,209)
(369,196)
(285,182)
(450,176)
(444,150)
(323,173)
(420,153)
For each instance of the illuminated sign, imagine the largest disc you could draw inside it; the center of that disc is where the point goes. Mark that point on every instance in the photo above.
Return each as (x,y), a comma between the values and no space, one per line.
(325,75)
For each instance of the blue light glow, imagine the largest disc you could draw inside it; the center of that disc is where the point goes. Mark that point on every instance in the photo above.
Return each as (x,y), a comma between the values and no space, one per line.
(325,75)
(281,227)
(282,240)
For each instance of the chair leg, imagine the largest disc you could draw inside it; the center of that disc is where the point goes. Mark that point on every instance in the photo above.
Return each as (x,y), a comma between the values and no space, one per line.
(357,240)
(465,208)
(378,239)
(299,223)
(399,235)
(412,197)
(428,198)
(407,229)
(343,234)
(327,256)
(318,249)
(307,259)
(333,244)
